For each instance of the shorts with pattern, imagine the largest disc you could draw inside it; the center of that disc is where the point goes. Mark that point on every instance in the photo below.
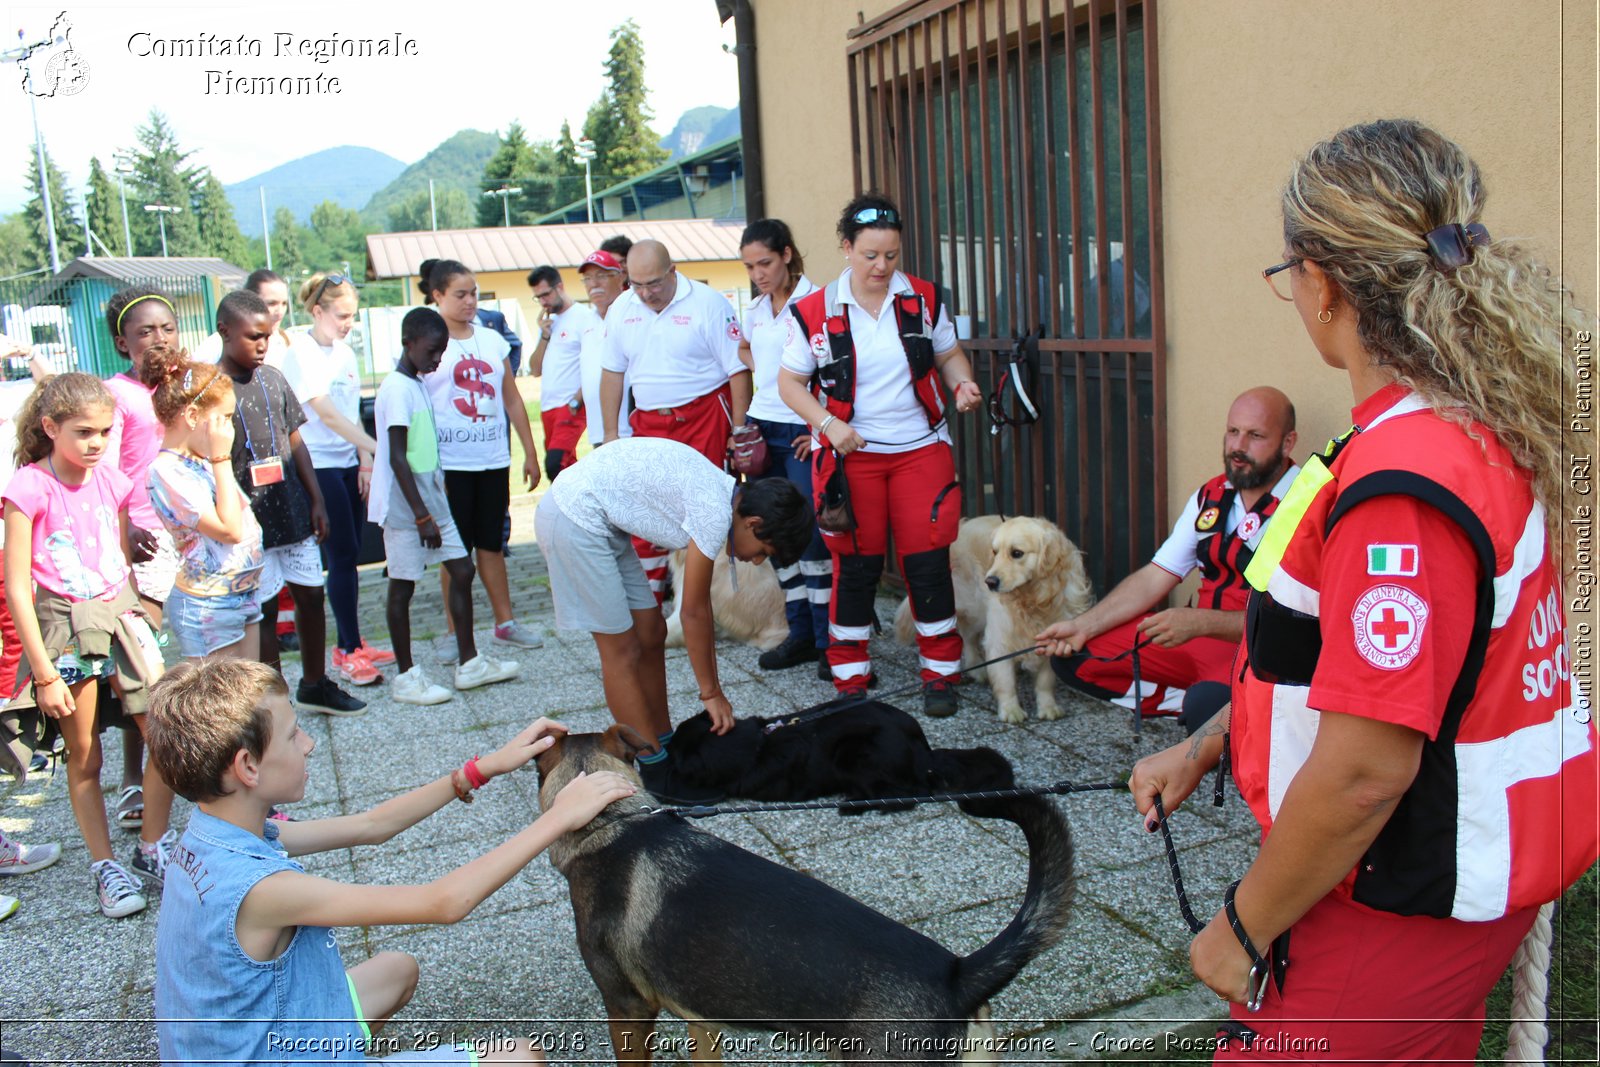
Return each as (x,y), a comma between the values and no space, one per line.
(296,564)
(207,624)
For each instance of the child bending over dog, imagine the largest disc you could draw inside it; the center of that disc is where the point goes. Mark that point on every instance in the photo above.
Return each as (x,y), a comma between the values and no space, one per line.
(668,494)
(246,966)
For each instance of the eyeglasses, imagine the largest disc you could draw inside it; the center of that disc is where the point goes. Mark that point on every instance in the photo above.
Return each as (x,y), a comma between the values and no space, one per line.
(868,215)
(1273,285)
(332,279)
(651,286)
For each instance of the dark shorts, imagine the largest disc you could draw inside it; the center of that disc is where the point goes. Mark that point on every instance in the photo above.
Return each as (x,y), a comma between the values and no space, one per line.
(478,503)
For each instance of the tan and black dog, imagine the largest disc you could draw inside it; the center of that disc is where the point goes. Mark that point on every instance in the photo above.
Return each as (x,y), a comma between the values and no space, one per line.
(673,918)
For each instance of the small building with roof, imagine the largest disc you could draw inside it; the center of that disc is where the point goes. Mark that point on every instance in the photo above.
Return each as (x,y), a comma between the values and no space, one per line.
(706,250)
(707,184)
(64,315)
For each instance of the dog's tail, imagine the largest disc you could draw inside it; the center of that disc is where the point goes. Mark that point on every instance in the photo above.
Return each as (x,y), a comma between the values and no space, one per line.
(1046,906)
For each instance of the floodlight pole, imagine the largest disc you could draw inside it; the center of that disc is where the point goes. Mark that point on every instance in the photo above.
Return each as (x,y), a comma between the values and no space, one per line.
(585,151)
(162,211)
(505,193)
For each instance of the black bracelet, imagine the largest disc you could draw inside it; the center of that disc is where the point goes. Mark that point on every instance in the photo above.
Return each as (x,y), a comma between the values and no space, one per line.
(1238,927)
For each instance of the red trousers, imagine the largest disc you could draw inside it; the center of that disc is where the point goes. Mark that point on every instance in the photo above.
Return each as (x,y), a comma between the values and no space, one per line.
(704,425)
(563,429)
(915,496)
(1373,987)
(1164,673)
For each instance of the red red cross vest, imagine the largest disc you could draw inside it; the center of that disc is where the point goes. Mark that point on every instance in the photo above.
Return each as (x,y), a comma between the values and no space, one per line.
(826,323)
(1502,814)
(1221,555)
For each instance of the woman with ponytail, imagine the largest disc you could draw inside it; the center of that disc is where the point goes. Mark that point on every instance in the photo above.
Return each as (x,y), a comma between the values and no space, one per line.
(213,608)
(1407,727)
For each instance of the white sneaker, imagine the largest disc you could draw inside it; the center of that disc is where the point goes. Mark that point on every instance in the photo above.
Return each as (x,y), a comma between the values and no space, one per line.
(414,687)
(17,858)
(118,890)
(516,634)
(8,906)
(444,646)
(481,670)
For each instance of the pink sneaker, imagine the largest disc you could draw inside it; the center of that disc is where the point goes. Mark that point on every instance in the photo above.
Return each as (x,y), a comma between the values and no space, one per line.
(355,668)
(378,657)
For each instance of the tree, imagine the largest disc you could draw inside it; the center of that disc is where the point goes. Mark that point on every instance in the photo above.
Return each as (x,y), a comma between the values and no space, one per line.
(68,224)
(619,122)
(512,163)
(161,176)
(416,213)
(219,233)
(16,246)
(567,151)
(104,205)
(288,252)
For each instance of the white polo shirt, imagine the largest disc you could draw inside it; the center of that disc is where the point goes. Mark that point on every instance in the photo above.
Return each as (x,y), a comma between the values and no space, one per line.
(562,377)
(765,333)
(594,343)
(689,349)
(887,412)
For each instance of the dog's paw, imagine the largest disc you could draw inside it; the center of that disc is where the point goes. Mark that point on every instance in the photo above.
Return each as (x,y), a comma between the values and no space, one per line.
(1048,710)
(1011,712)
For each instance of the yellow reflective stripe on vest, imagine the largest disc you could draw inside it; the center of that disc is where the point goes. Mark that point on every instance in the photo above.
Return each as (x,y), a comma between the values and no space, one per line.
(1286,519)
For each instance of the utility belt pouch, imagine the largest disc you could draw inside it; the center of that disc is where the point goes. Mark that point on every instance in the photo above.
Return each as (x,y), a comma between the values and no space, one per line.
(835,514)
(1283,645)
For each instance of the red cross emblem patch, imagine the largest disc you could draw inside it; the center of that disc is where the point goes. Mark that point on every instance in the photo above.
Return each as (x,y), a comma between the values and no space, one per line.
(1388,623)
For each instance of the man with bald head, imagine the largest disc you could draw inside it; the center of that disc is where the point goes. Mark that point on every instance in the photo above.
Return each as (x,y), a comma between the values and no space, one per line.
(677,343)
(1185,654)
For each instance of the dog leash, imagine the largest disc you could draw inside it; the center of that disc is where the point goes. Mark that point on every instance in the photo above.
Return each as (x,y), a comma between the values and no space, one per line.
(705,811)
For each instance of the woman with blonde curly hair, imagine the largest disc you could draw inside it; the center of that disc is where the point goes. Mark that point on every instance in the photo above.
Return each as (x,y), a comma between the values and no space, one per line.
(1409,732)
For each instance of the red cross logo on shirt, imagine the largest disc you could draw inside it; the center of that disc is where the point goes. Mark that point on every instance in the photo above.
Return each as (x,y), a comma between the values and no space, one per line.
(1389,628)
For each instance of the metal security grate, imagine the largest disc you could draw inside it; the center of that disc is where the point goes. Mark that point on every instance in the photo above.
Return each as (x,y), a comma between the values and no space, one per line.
(1021,137)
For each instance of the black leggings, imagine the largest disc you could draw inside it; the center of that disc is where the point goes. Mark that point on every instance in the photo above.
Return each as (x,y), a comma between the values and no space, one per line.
(347,515)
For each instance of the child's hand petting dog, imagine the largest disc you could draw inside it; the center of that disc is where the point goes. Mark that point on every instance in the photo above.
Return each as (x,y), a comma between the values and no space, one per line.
(586,796)
(522,748)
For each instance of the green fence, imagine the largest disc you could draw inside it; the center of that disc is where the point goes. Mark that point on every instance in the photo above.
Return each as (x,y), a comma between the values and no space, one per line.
(65,321)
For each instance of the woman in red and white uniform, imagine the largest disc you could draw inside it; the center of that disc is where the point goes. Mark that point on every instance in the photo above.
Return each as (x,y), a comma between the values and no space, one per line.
(1407,727)
(866,361)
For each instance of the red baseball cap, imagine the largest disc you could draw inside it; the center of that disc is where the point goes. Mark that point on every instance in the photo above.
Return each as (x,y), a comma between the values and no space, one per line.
(601,259)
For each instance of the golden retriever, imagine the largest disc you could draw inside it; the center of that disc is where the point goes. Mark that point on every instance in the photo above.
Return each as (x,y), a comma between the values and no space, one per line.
(1012,578)
(753,615)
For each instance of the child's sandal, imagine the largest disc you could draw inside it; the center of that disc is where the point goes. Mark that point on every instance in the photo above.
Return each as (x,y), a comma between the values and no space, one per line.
(130,808)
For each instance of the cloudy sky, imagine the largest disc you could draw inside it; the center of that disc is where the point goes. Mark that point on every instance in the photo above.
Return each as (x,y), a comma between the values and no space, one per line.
(478,66)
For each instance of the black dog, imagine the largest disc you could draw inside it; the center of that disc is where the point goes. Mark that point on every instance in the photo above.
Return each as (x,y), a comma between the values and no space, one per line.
(670,917)
(864,751)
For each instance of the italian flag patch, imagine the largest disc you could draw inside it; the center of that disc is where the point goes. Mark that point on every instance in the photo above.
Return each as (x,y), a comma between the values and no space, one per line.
(1392,559)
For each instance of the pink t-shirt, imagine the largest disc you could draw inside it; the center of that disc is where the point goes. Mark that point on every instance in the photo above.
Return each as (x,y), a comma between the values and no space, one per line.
(136,437)
(77,531)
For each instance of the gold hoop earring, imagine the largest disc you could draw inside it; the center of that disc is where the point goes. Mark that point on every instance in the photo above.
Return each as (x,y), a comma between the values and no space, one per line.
(1325,316)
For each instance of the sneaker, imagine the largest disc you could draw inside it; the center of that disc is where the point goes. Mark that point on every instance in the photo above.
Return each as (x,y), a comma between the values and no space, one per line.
(8,906)
(118,890)
(378,657)
(939,698)
(444,646)
(414,687)
(794,651)
(481,670)
(665,784)
(325,696)
(824,669)
(355,668)
(130,807)
(514,633)
(150,860)
(17,858)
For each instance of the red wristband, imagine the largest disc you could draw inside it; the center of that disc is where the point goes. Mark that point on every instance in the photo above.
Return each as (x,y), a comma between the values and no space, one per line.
(474,775)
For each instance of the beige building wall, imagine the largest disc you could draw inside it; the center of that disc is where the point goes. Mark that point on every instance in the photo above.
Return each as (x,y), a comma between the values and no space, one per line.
(1246,86)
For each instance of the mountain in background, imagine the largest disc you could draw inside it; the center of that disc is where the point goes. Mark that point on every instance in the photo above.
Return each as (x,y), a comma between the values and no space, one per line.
(699,127)
(456,163)
(347,175)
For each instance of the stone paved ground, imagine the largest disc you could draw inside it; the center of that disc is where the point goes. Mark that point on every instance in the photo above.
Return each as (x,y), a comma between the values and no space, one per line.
(78,987)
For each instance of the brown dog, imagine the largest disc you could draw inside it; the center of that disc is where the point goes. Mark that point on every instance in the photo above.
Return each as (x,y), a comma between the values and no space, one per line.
(671,917)
(752,615)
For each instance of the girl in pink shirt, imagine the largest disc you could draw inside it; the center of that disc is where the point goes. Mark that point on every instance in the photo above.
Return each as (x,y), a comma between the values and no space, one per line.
(66,520)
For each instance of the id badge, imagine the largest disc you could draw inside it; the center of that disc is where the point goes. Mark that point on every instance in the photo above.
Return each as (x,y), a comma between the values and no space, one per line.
(266,471)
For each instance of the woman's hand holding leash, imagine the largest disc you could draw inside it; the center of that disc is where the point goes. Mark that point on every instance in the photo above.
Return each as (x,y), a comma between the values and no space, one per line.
(1172,774)
(1218,960)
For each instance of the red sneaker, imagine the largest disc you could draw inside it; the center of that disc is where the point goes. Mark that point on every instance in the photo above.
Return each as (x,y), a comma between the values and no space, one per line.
(354,667)
(378,657)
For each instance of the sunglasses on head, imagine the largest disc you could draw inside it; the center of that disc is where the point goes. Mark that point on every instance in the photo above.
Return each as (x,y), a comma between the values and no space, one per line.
(869,215)
(332,279)
(1452,244)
